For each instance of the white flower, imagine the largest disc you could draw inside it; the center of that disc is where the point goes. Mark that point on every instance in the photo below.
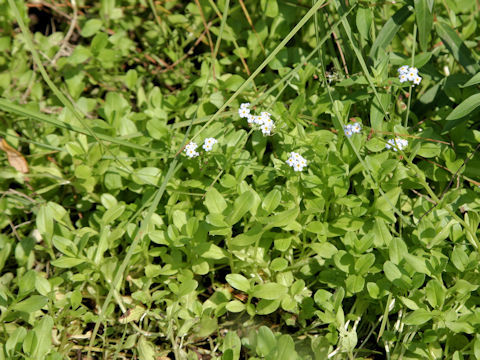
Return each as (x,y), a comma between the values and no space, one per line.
(296,161)
(403,69)
(243,112)
(347,129)
(209,142)
(407,73)
(396,144)
(266,129)
(297,167)
(190,150)
(258,119)
(356,128)
(250,118)
(245,106)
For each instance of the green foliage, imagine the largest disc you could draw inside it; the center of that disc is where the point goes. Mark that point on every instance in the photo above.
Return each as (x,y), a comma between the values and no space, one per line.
(115,244)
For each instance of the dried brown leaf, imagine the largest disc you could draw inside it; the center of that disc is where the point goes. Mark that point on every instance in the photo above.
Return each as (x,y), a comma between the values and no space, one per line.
(15,158)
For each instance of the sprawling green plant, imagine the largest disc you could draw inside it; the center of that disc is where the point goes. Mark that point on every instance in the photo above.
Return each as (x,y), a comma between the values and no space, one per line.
(239,180)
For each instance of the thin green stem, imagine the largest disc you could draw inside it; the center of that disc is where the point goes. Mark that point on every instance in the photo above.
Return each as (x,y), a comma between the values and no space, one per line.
(412,62)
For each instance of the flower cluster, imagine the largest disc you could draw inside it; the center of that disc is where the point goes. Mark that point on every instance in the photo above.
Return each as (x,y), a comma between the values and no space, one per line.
(263,120)
(191,147)
(191,150)
(407,73)
(297,161)
(396,143)
(351,129)
(209,142)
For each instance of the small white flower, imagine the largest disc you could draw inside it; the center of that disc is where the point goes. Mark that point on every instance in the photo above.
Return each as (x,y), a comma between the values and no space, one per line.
(268,122)
(245,106)
(297,167)
(250,118)
(209,142)
(403,69)
(347,129)
(190,150)
(356,128)
(417,80)
(403,78)
(258,119)
(296,161)
(266,129)
(396,144)
(412,73)
(243,112)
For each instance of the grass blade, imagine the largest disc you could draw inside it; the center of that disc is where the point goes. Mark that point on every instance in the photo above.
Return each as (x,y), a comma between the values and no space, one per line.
(466,107)
(389,30)
(455,45)
(8,106)
(424,18)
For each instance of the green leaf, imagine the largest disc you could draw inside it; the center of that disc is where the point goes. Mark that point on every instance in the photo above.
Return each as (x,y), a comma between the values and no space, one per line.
(429,150)
(113,214)
(385,36)
(465,107)
(32,304)
(278,264)
(282,219)
(456,46)
(418,263)
(238,282)
(418,317)
(286,348)
(67,262)
(147,175)
(270,8)
(265,307)
(14,338)
(377,114)
(232,342)
(397,250)
(269,291)
(266,341)
(473,81)
(364,21)
(435,293)
(325,250)
(214,201)
(91,27)
(241,206)
(43,332)
(272,200)
(214,252)
(235,306)
(391,271)
(146,350)
(250,237)
(459,258)
(355,283)
(364,263)
(424,17)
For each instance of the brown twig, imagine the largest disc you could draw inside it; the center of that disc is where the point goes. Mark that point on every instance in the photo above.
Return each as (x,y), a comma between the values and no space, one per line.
(69,34)
(249,20)
(335,38)
(423,196)
(210,42)
(189,52)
